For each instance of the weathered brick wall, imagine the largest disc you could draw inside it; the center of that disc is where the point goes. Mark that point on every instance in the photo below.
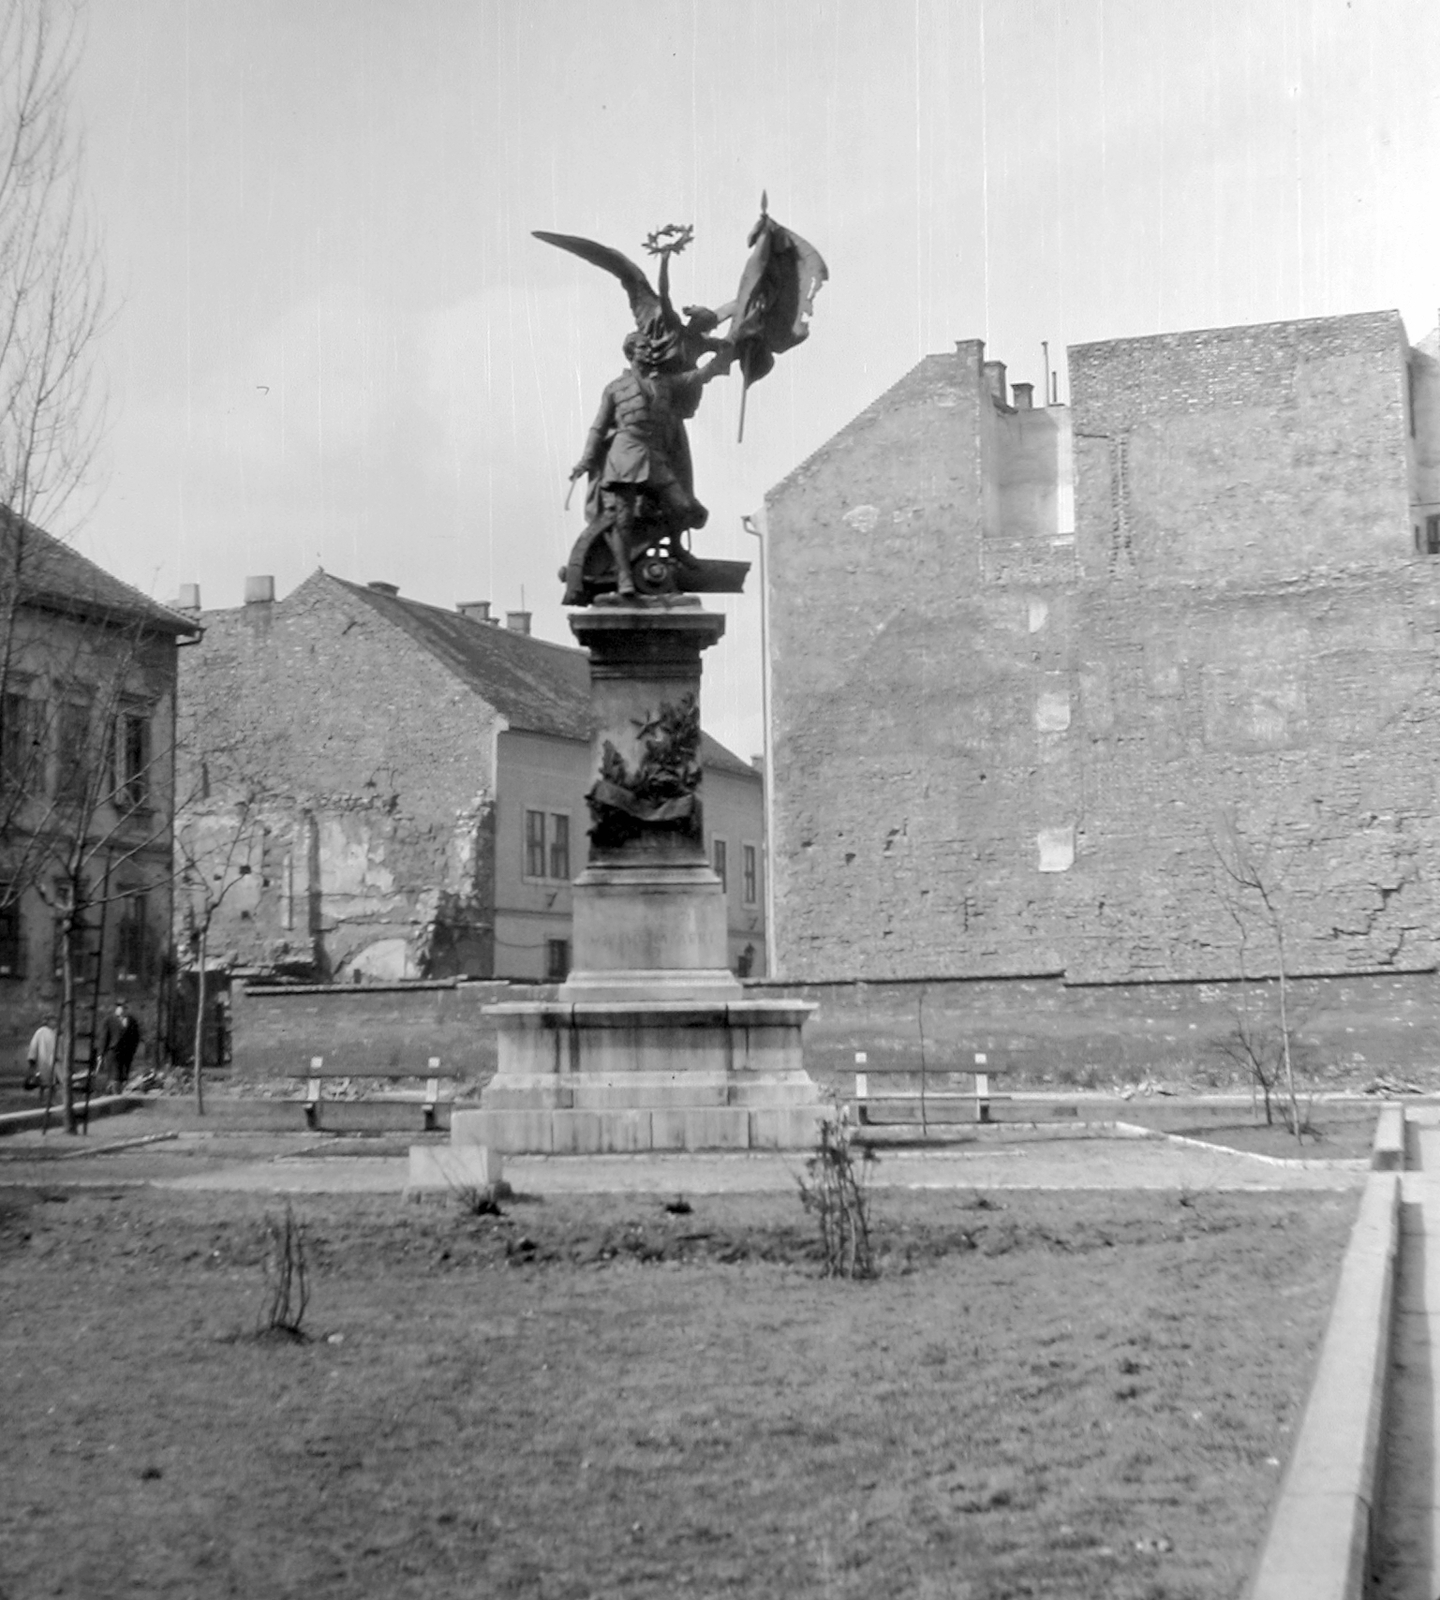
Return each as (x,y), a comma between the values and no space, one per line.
(996,753)
(1257,654)
(1041,1031)
(276,1031)
(1236,454)
(1310,718)
(376,770)
(912,703)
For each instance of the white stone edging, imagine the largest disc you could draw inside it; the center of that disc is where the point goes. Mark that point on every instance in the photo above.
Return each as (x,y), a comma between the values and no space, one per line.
(1318,1544)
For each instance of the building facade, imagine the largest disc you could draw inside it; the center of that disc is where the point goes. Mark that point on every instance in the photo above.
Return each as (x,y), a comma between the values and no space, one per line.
(1044,677)
(87,791)
(393,791)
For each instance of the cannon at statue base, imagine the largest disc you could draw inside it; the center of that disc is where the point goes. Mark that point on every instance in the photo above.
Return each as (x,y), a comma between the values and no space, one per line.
(664,566)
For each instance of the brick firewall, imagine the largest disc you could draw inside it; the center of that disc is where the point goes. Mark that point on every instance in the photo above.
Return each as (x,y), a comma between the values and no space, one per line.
(1000,753)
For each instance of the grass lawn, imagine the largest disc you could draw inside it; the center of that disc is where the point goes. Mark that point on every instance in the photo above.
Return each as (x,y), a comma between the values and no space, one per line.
(1333,1129)
(1044,1394)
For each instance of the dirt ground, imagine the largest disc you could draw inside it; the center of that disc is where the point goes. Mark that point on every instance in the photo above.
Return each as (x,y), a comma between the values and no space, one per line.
(1084,1394)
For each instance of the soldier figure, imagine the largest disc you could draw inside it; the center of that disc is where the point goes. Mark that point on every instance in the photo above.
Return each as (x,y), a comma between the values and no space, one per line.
(637,456)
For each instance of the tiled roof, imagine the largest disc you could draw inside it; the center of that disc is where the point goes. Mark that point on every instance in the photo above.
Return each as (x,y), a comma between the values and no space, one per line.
(538,687)
(52,575)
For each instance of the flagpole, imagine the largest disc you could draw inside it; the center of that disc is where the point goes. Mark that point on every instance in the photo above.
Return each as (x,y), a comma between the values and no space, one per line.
(740,435)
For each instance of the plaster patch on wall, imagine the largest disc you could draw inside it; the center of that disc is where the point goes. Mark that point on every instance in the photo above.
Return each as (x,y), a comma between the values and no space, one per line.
(946,398)
(1039,613)
(386,960)
(1052,711)
(862,518)
(1057,848)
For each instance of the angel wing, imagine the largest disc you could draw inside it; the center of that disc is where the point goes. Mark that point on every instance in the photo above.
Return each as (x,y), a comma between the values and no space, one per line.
(653,312)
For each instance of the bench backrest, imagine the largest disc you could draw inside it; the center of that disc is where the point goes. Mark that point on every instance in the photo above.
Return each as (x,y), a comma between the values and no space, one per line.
(983,1068)
(320,1068)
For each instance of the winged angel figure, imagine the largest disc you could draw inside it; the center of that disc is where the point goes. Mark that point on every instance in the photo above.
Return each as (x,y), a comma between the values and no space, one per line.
(641,502)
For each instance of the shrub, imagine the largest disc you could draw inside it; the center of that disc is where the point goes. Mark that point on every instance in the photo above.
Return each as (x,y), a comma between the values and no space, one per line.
(834,1191)
(287,1285)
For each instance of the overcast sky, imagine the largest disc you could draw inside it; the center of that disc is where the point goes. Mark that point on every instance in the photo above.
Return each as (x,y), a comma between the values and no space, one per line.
(335,342)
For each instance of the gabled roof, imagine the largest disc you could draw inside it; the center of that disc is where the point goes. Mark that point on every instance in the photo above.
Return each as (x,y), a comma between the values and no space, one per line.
(50,575)
(538,687)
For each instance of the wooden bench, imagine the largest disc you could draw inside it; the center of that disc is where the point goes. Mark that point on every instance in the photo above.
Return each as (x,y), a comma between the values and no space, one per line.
(918,1090)
(433,1073)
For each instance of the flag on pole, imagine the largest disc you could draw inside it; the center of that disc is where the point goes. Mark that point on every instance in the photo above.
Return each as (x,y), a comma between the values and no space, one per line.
(775,298)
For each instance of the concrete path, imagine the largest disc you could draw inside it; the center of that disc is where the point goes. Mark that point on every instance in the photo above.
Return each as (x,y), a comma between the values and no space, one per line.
(309,1163)
(1408,1547)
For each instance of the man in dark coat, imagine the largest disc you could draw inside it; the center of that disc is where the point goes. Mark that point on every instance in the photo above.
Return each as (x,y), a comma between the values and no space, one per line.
(119,1040)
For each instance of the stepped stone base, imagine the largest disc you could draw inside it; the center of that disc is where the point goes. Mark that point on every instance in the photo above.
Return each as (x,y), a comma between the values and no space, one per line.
(613,1077)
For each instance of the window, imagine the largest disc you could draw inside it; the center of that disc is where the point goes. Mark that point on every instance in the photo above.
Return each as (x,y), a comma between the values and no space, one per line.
(74,741)
(20,744)
(1432,536)
(534,844)
(718,853)
(547,845)
(557,960)
(134,741)
(132,942)
(750,874)
(12,947)
(559,846)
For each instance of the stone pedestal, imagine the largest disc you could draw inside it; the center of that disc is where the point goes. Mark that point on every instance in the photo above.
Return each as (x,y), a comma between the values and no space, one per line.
(602,1077)
(651,1044)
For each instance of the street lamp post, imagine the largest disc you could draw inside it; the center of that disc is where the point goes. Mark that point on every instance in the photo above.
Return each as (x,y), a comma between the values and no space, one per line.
(757,528)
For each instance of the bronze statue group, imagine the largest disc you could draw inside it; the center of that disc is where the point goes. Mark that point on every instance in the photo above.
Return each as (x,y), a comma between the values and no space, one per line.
(641,503)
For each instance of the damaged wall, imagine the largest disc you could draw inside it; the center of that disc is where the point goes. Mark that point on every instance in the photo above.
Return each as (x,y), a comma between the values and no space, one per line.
(1005,747)
(359,775)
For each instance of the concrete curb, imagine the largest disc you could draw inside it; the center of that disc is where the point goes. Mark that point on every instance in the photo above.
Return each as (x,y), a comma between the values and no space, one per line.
(1318,1545)
(109,1105)
(1388,1152)
(1133,1130)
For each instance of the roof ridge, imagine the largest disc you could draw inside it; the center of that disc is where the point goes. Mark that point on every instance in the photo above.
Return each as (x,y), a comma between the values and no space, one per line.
(450,614)
(107,593)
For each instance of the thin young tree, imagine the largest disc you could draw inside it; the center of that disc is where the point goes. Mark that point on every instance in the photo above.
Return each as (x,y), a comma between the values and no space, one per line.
(1250,882)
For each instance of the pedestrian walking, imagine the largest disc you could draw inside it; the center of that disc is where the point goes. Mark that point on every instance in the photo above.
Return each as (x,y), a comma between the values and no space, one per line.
(119,1040)
(40,1057)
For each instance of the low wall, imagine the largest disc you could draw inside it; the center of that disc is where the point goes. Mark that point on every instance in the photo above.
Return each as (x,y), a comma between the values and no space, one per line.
(1038,1030)
(1041,1030)
(276,1030)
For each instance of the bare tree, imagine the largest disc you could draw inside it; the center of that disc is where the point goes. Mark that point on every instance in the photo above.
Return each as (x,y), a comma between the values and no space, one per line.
(52,295)
(1249,881)
(52,289)
(71,816)
(213,844)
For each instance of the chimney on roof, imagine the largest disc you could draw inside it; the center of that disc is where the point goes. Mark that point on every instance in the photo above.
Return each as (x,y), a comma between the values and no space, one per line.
(1024,394)
(995,380)
(476,610)
(383,588)
(259,591)
(189,597)
(517,621)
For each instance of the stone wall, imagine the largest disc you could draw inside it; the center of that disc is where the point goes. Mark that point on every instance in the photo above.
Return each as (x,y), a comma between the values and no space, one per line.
(1041,1031)
(1000,750)
(370,846)
(276,1030)
(1236,454)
